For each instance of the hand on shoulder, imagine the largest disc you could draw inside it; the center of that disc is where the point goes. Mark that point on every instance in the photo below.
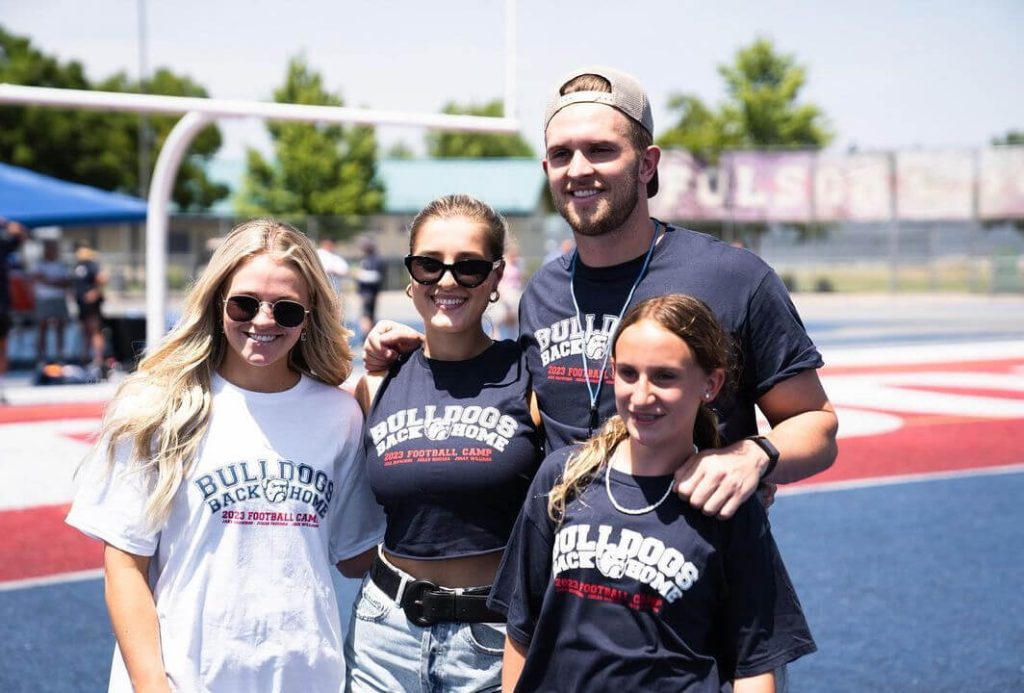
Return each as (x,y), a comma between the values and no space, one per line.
(386,342)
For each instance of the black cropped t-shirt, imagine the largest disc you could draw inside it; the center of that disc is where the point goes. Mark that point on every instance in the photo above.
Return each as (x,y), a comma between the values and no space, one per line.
(451,450)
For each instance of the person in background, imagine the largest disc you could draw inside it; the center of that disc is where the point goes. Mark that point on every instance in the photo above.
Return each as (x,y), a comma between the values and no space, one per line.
(12,235)
(335,265)
(557,250)
(369,275)
(88,280)
(510,288)
(229,479)
(451,445)
(51,278)
(613,583)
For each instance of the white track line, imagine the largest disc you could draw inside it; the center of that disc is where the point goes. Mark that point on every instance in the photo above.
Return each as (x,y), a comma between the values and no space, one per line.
(871,482)
(915,354)
(58,579)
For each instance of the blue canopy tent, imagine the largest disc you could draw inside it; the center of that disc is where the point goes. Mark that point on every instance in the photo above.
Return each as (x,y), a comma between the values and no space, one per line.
(37,200)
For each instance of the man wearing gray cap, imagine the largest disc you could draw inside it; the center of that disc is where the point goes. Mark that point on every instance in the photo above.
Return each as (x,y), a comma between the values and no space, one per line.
(602,167)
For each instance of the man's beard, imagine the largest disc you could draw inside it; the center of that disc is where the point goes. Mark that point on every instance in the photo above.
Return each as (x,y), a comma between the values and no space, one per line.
(619,208)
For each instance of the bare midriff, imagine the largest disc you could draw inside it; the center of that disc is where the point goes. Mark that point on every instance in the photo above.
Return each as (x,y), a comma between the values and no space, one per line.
(469,571)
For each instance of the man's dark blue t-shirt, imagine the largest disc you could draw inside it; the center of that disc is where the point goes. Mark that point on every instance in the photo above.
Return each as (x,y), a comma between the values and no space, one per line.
(747,297)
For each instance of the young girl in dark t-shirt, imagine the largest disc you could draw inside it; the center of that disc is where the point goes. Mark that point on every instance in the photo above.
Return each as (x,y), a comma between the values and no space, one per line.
(611,582)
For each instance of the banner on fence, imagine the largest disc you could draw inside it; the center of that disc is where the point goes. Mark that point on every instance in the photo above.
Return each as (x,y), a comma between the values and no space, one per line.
(923,185)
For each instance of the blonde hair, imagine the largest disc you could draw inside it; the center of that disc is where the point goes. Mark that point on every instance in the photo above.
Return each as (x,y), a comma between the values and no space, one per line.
(161,412)
(693,322)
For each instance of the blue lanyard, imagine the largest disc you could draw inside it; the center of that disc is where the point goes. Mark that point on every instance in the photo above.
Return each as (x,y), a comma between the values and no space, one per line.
(595,391)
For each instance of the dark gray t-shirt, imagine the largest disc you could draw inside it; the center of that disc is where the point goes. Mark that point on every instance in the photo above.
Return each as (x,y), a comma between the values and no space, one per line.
(747,297)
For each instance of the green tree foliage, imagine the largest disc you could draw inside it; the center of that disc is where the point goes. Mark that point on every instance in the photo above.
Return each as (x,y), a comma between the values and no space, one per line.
(1011,137)
(699,131)
(193,190)
(400,150)
(475,145)
(95,147)
(320,170)
(761,109)
(43,139)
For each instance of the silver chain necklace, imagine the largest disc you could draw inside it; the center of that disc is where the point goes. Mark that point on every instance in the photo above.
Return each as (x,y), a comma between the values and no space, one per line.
(636,511)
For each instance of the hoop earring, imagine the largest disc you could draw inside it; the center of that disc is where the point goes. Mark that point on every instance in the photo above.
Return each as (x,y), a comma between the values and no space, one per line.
(408,290)
(495,296)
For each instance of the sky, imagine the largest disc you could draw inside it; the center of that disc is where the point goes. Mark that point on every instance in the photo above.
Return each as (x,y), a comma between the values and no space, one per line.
(888,74)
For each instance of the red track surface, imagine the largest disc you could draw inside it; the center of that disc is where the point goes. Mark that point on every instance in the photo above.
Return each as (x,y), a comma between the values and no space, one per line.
(925,445)
(51,412)
(35,542)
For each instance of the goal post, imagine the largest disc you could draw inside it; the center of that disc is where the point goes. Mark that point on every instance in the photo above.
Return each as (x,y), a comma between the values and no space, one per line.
(196,114)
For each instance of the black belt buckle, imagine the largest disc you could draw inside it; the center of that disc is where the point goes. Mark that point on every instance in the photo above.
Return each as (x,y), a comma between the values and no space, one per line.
(412,601)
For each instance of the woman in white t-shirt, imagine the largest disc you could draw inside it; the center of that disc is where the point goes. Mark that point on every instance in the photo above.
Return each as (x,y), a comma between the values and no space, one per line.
(229,478)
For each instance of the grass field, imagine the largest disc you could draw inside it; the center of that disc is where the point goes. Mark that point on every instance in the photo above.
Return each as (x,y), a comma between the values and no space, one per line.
(1001,275)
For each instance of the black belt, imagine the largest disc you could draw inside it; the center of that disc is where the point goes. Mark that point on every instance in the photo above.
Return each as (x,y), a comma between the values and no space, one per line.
(425,603)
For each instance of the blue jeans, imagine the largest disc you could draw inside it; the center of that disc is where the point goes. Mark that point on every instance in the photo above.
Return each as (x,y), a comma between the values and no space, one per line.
(384,651)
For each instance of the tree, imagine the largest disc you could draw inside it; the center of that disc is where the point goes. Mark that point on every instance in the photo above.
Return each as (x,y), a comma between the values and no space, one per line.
(46,140)
(1011,137)
(761,109)
(321,170)
(193,190)
(94,147)
(476,145)
(400,150)
(699,130)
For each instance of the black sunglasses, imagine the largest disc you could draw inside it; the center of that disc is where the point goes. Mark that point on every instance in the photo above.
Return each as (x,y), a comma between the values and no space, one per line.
(286,313)
(467,273)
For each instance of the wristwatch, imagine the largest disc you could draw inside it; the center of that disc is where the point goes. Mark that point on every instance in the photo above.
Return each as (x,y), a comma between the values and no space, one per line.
(770,450)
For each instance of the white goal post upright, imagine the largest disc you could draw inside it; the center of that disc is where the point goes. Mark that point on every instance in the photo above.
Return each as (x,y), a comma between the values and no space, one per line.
(197,114)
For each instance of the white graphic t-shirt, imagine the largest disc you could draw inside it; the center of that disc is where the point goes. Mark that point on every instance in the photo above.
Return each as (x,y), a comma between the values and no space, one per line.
(241,571)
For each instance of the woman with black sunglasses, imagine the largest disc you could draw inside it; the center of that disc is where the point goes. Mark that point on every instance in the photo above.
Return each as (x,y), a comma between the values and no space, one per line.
(229,477)
(452,443)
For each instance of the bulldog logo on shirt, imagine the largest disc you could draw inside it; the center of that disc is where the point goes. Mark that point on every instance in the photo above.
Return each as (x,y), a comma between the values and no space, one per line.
(275,490)
(254,483)
(597,345)
(612,562)
(567,337)
(486,425)
(439,430)
(622,553)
